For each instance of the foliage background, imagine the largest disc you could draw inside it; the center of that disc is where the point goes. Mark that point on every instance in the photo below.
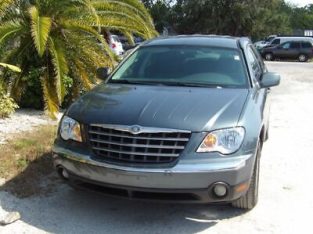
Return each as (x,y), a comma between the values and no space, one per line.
(59,45)
(253,18)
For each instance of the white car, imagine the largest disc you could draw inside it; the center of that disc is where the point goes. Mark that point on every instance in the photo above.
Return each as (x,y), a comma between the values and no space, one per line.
(116,45)
(262,44)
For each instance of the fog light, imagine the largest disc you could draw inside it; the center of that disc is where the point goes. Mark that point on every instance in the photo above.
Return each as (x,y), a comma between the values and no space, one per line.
(220,190)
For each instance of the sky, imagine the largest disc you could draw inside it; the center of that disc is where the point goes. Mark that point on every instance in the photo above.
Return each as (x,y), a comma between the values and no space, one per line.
(300,3)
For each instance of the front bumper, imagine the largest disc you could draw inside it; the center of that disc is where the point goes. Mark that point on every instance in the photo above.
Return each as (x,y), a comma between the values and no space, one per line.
(188,179)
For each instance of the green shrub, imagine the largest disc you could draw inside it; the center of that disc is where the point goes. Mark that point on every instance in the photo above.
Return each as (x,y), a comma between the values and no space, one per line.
(31,96)
(7,104)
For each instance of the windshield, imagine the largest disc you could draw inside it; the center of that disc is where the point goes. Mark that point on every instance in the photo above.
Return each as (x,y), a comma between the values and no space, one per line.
(183,65)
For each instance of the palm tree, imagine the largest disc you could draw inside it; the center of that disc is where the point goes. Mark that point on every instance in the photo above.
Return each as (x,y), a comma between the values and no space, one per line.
(61,38)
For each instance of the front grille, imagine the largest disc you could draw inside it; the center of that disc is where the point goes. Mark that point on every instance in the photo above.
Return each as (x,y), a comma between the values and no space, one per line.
(121,146)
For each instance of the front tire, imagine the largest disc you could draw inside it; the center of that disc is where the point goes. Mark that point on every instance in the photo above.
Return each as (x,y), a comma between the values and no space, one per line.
(302,58)
(250,199)
(269,57)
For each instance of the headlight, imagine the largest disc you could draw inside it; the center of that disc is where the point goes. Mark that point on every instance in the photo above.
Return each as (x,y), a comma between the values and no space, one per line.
(70,129)
(225,141)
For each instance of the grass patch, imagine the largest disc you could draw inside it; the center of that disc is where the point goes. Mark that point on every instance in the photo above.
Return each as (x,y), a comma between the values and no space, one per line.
(26,159)
(23,143)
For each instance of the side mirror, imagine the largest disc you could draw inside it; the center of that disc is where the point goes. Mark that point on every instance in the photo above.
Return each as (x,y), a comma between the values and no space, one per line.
(103,73)
(270,79)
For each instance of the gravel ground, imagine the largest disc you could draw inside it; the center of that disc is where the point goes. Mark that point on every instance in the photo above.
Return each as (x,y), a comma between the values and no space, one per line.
(285,204)
(22,120)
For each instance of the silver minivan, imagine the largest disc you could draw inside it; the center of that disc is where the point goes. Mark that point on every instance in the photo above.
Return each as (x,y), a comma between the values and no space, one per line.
(181,118)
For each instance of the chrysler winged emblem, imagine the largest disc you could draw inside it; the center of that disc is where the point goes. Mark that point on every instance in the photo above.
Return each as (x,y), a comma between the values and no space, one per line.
(135,129)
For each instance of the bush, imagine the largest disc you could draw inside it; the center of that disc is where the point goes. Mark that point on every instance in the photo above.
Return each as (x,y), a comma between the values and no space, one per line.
(31,96)
(7,104)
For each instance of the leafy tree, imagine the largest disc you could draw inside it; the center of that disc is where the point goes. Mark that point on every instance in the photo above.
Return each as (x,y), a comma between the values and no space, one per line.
(160,11)
(61,39)
(253,18)
(238,18)
(302,17)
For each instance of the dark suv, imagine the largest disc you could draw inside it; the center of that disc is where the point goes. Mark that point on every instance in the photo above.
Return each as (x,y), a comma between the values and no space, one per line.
(301,50)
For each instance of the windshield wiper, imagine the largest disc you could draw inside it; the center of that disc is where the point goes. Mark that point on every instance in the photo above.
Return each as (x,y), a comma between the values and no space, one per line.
(124,81)
(160,83)
(184,84)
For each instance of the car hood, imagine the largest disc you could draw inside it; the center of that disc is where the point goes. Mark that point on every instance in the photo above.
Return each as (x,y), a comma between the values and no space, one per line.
(193,109)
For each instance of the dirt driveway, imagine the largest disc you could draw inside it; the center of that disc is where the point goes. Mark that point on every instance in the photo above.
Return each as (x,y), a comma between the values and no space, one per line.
(286,200)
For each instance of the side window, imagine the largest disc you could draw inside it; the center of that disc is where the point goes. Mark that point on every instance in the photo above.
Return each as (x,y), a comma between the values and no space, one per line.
(276,42)
(306,45)
(286,45)
(259,58)
(254,63)
(295,45)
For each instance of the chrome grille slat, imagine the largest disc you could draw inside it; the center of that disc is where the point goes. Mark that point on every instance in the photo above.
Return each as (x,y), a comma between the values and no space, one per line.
(137,145)
(149,146)
(142,138)
(137,153)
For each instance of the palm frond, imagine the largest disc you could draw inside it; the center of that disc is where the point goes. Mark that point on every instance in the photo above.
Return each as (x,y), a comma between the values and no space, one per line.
(141,9)
(60,67)
(40,29)
(125,7)
(4,4)
(79,26)
(93,12)
(83,75)
(122,21)
(11,67)
(129,36)
(9,29)
(50,97)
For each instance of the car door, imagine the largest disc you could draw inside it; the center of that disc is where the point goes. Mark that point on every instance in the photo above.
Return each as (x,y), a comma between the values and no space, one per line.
(282,51)
(260,96)
(307,48)
(294,50)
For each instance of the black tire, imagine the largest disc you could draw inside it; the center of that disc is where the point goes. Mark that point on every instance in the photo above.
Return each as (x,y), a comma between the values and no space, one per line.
(269,57)
(250,199)
(302,58)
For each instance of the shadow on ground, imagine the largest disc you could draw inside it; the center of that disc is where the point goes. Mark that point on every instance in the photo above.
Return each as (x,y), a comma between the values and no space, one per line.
(36,179)
(61,209)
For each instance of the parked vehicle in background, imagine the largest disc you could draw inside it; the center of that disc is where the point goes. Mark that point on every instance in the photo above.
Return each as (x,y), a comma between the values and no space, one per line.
(281,39)
(260,44)
(127,46)
(300,50)
(182,118)
(116,45)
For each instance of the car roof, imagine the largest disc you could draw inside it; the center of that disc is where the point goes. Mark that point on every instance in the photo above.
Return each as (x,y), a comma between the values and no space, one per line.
(298,41)
(294,38)
(199,40)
